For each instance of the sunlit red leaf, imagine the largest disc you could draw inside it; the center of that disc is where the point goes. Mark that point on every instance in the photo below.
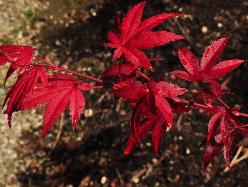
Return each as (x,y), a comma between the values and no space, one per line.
(23,86)
(62,91)
(134,34)
(18,57)
(210,68)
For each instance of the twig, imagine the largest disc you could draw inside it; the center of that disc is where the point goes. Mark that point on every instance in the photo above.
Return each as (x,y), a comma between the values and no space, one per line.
(67,70)
(179,121)
(61,124)
(119,176)
(102,97)
(236,159)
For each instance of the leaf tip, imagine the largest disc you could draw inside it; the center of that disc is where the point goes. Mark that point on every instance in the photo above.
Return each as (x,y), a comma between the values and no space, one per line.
(9,120)
(126,152)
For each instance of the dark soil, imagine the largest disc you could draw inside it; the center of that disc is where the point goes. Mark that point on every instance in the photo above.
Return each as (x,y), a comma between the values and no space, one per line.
(93,154)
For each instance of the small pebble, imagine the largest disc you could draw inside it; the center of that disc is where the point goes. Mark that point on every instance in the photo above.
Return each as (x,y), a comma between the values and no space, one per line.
(88,113)
(103,180)
(187,151)
(93,13)
(136,180)
(204,29)
(220,25)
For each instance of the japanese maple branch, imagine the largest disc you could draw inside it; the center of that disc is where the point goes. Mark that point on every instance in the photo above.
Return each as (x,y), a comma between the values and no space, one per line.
(236,113)
(68,70)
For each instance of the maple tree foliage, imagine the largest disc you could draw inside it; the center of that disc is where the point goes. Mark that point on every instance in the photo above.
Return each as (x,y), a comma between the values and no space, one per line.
(157,111)
(209,67)
(23,86)
(35,87)
(18,56)
(223,130)
(133,34)
(154,103)
(60,90)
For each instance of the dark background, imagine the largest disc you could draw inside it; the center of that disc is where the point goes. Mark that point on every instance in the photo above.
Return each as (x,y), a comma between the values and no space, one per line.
(93,154)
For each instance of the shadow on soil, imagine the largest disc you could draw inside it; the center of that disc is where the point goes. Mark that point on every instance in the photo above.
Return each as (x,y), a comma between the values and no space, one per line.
(100,153)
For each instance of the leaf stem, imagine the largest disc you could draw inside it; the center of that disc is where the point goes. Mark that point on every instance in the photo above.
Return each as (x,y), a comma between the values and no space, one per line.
(236,113)
(68,70)
(223,103)
(143,75)
(200,105)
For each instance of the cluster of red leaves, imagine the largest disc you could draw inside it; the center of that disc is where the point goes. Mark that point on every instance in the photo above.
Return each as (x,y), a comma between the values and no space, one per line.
(154,104)
(34,87)
(223,126)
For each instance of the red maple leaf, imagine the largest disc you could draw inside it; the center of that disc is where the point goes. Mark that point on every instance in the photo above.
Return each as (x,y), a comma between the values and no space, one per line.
(23,86)
(209,153)
(209,68)
(223,130)
(60,92)
(129,89)
(18,56)
(153,108)
(154,124)
(134,35)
